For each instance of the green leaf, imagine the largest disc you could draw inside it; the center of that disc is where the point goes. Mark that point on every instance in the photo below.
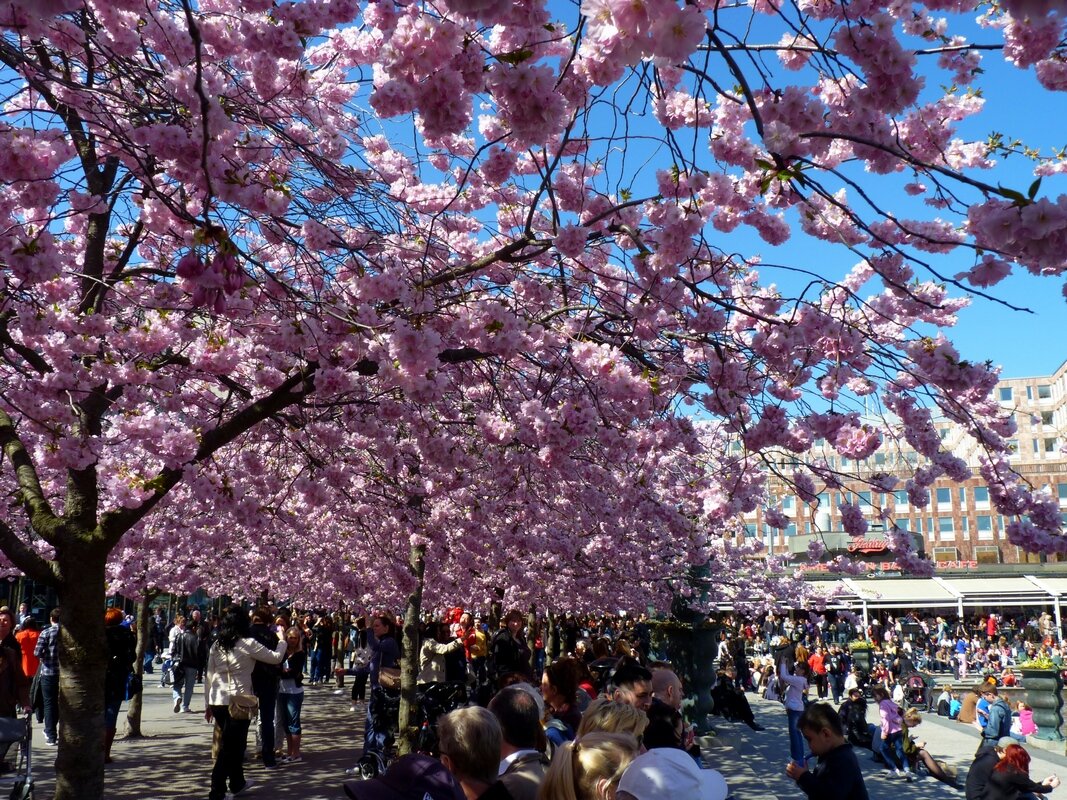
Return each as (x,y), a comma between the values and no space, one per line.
(515,56)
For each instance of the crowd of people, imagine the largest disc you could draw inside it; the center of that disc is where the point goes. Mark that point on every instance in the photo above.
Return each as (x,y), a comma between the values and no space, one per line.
(577,710)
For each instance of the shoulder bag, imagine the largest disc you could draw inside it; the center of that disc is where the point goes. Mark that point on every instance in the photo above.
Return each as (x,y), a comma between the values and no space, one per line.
(241,706)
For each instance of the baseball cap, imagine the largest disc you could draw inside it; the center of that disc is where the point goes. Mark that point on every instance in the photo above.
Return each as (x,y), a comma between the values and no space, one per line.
(1004,741)
(666,773)
(410,777)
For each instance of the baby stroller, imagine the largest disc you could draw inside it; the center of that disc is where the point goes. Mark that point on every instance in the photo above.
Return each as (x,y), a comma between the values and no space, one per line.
(916,692)
(15,761)
(166,673)
(434,701)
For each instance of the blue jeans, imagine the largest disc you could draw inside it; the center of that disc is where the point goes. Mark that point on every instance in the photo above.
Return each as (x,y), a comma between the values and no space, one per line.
(893,750)
(185,688)
(289,705)
(796,738)
(50,696)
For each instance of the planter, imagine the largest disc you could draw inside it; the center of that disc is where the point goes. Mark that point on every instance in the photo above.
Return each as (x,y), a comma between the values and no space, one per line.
(691,651)
(861,657)
(1044,694)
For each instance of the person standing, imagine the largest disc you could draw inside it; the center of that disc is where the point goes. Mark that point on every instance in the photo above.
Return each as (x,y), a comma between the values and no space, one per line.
(27,638)
(794,687)
(121,653)
(837,774)
(47,650)
(228,674)
(265,685)
(291,693)
(186,660)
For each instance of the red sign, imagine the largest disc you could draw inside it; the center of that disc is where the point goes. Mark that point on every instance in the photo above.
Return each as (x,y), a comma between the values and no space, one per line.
(868,546)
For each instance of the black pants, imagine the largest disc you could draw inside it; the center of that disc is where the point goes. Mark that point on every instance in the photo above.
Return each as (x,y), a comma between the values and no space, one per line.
(229,763)
(359,685)
(267,692)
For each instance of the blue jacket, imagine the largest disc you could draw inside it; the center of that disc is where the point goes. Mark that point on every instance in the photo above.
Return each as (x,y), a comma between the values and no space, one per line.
(999,723)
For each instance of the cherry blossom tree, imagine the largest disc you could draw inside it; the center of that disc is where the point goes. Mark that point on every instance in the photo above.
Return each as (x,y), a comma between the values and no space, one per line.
(448,277)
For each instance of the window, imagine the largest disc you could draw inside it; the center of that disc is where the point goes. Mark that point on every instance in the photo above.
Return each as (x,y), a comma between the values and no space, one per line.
(865,499)
(1050,444)
(944,497)
(987,554)
(981,497)
(879,458)
(902,497)
(1046,417)
(791,529)
(985,526)
(750,530)
(1029,392)
(1037,448)
(1005,394)
(945,528)
(946,554)
(787,503)
(1013,446)
(1044,392)
(965,526)
(963,497)
(1061,490)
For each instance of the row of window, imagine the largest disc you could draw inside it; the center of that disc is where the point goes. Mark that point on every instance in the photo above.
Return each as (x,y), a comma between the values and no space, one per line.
(1042,391)
(942,495)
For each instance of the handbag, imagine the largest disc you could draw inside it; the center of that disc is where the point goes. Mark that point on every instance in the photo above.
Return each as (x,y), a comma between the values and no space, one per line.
(389,677)
(243,706)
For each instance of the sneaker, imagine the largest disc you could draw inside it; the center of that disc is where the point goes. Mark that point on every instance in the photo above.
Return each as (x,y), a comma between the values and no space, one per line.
(51,742)
(187,711)
(353,708)
(177,705)
(248,787)
(293,759)
(899,773)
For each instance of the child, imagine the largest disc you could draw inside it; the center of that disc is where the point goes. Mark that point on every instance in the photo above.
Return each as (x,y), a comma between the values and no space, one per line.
(837,774)
(892,733)
(954,705)
(1023,725)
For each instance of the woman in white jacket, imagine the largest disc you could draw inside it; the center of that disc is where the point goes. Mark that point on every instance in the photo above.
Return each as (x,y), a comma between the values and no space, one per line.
(229,672)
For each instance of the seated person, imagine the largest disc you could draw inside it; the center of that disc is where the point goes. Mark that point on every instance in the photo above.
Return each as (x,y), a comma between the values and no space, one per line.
(954,705)
(916,753)
(853,713)
(731,701)
(944,702)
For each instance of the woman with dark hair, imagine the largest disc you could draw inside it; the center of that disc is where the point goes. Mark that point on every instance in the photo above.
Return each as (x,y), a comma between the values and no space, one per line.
(559,688)
(229,673)
(121,653)
(1011,777)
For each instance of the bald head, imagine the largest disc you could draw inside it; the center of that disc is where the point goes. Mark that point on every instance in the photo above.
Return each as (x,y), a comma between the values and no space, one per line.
(667,687)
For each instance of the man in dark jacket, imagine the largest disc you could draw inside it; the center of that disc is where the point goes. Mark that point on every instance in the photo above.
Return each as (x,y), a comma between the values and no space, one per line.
(265,678)
(982,768)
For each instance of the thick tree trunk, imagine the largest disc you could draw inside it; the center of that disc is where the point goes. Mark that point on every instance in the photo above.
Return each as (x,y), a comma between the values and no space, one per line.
(144,620)
(409,663)
(83,664)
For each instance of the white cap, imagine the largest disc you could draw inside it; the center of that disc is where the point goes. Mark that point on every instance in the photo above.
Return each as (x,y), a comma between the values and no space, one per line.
(666,773)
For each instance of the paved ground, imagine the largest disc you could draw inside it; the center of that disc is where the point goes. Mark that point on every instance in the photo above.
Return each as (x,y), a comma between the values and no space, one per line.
(172,762)
(754,762)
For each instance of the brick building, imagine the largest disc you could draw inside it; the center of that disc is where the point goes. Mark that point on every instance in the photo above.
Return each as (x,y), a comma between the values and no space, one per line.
(959,528)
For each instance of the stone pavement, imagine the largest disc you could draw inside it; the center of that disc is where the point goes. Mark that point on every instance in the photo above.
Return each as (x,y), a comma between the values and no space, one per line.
(753,762)
(173,760)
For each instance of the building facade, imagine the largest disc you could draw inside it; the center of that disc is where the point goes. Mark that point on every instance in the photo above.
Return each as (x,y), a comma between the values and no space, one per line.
(960,529)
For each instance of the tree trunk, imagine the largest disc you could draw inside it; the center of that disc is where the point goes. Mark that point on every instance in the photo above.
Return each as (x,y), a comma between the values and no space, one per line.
(83,664)
(552,638)
(409,662)
(144,620)
(532,631)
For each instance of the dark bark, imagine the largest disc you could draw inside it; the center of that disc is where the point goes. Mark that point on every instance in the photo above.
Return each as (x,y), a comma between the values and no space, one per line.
(83,664)
(144,622)
(409,662)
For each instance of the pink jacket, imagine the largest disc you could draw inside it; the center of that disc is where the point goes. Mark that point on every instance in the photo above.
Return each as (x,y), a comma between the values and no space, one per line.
(1026,723)
(890,714)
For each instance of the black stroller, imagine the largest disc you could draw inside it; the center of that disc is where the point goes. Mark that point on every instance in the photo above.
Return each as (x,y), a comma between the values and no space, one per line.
(16,765)
(916,691)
